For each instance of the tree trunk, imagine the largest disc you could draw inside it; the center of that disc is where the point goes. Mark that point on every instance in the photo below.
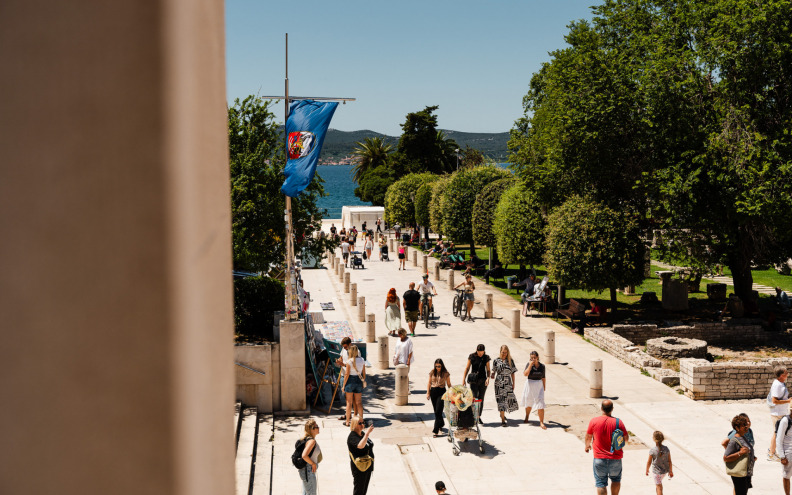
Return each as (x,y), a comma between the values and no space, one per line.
(742,277)
(426,234)
(613,301)
(472,249)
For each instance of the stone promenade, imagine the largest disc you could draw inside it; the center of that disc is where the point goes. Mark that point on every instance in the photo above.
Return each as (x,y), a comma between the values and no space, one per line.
(520,458)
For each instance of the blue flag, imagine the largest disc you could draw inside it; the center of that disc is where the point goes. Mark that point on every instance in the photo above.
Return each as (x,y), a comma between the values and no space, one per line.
(306,128)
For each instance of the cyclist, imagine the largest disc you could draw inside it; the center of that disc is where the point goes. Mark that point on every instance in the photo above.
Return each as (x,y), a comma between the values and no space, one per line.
(427,289)
(468,287)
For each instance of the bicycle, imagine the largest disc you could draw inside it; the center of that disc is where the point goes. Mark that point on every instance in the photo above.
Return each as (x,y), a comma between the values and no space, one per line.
(427,309)
(459,307)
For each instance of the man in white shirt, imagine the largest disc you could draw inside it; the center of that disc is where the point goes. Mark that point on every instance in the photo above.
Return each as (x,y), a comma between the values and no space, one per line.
(779,396)
(345,251)
(783,449)
(404,349)
(426,288)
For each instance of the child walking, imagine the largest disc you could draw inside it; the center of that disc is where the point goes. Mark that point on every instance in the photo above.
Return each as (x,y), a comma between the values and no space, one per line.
(660,462)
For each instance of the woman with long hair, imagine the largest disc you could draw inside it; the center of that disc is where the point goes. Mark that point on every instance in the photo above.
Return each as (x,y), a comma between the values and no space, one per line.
(534,389)
(503,371)
(392,313)
(312,455)
(353,382)
(439,379)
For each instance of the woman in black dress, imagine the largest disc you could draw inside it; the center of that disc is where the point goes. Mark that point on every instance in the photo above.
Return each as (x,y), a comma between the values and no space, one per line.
(439,378)
(479,366)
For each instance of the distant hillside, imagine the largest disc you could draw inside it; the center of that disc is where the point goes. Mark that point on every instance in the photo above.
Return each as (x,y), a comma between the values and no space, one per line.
(339,144)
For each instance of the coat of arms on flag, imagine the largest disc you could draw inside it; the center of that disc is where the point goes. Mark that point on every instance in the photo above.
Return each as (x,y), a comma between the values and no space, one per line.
(300,144)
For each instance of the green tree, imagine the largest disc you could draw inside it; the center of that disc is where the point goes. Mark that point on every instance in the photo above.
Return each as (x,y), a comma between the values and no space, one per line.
(369,154)
(459,196)
(471,157)
(519,227)
(422,199)
(422,148)
(593,247)
(437,205)
(256,161)
(373,185)
(484,211)
(401,195)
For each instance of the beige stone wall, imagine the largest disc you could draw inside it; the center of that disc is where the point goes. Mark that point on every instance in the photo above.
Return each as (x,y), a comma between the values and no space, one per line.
(115,296)
(253,389)
(714,333)
(620,347)
(728,380)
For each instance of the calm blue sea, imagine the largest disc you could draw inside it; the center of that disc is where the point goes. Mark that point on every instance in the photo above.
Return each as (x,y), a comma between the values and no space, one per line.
(340,189)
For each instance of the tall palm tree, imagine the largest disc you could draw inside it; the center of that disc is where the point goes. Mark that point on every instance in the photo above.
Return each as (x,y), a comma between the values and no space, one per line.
(370,154)
(447,153)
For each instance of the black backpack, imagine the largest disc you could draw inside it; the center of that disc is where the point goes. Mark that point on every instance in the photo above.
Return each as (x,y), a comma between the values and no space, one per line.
(299,447)
(789,424)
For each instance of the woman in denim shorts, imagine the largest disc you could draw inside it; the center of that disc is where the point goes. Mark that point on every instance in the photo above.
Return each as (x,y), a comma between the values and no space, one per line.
(353,386)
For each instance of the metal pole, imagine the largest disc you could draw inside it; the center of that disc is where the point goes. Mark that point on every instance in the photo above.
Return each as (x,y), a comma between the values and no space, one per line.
(291,312)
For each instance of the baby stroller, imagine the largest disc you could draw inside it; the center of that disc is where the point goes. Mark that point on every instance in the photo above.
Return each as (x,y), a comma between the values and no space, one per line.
(462,412)
(385,253)
(357,261)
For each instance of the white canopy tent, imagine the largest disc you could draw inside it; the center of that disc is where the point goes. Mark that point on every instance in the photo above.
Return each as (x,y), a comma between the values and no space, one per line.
(356,215)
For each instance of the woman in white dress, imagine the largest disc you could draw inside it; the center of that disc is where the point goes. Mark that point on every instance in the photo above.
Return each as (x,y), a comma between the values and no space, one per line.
(534,389)
(392,313)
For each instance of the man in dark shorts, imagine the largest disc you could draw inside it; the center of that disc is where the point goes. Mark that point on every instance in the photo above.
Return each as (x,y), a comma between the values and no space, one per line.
(411,298)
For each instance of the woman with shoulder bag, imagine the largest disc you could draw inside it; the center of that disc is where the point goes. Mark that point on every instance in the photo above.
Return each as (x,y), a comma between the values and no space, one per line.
(361,455)
(439,378)
(479,366)
(739,457)
(312,455)
(355,381)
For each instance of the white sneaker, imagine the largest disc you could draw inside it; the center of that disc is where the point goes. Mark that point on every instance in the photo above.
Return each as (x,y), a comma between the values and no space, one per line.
(771,456)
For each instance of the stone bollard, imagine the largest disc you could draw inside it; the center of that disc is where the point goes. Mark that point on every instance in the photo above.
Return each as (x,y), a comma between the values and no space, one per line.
(425,265)
(362,308)
(341,270)
(549,357)
(346,283)
(353,294)
(488,306)
(437,272)
(336,261)
(450,272)
(595,379)
(515,324)
(383,354)
(370,328)
(390,247)
(402,384)
(415,257)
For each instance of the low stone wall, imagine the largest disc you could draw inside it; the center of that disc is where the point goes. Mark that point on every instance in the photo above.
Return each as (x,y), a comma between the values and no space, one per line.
(621,348)
(676,348)
(714,333)
(703,380)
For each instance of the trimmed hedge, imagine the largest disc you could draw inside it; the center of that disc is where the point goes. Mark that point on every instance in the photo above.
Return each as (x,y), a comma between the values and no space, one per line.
(484,211)
(519,227)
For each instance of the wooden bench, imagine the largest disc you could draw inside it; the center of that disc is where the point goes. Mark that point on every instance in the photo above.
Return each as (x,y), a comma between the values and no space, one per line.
(574,311)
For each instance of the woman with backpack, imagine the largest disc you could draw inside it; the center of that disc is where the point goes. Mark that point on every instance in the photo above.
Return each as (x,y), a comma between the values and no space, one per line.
(478,365)
(311,457)
(354,382)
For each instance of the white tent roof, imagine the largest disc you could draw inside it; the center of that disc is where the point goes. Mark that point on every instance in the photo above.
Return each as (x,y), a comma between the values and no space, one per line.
(356,215)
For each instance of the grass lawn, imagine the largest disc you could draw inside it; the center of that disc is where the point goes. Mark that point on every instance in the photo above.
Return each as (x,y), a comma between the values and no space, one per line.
(630,308)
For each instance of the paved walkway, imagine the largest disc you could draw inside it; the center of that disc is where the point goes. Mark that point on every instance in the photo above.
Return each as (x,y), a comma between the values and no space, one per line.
(762,289)
(520,458)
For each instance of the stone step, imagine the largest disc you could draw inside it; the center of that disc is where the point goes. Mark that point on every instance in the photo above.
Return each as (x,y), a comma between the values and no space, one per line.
(264,452)
(246,450)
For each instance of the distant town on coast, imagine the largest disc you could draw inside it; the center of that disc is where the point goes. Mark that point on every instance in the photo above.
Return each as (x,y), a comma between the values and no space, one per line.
(338,145)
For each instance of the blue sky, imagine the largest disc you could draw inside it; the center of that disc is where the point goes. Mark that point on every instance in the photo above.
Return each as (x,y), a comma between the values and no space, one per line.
(473,59)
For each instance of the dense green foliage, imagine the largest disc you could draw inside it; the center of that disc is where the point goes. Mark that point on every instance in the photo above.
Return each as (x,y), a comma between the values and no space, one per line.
(679,109)
(437,205)
(257,205)
(484,211)
(369,154)
(422,148)
(373,185)
(591,246)
(400,198)
(459,196)
(255,301)
(518,226)
(422,199)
